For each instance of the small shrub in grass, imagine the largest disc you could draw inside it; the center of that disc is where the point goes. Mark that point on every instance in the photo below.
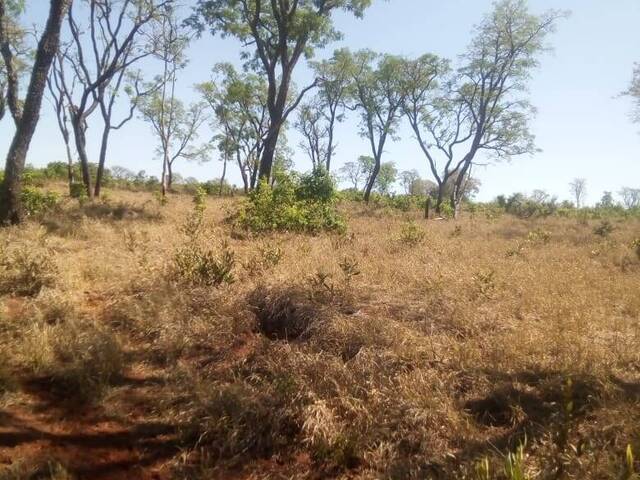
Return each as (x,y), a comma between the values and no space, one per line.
(539,236)
(25,272)
(78,359)
(36,202)
(411,234)
(79,191)
(603,229)
(204,267)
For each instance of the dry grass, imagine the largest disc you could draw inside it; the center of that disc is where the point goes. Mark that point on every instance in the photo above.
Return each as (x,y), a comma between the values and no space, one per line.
(400,350)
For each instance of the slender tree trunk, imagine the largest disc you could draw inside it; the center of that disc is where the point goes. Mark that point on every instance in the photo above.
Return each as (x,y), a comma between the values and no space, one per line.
(169,175)
(163,180)
(11,209)
(440,198)
(243,173)
(81,148)
(69,161)
(330,141)
(224,173)
(102,159)
(372,180)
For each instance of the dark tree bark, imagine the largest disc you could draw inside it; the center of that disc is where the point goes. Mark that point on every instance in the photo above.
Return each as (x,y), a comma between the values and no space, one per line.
(11,210)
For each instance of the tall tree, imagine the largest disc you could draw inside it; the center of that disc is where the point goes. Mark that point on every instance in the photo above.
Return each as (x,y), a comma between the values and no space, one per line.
(280,33)
(97,61)
(355,172)
(408,180)
(310,124)
(578,188)
(482,106)
(239,102)
(386,178)
(630,197)
(14,58)
(26,117)
(377,95)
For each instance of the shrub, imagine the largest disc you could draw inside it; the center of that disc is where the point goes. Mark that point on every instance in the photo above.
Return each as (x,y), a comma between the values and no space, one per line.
(539,236)
(36,202)
(25,272)
(412,234)
(316,186)
(203,267)
(636,247)
(603,229)
(78,190)
(283,208)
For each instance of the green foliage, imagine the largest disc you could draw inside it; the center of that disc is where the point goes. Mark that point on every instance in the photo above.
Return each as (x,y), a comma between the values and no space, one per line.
(316,185)
(412,234)
(36,202)
(25,272)
(514,467)
(284,207)
(204,267)
(539,236)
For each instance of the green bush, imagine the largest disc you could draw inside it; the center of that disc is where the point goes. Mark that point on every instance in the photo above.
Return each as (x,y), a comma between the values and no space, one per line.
(203,267)
(36,202)
(316,186)
(284,207)
(78,190)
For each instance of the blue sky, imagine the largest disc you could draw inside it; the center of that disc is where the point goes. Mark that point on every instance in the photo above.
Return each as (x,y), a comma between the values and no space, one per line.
(582,126)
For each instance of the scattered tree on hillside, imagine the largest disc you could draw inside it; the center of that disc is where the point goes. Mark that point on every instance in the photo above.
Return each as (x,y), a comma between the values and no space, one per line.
(26,114)
(239,103)
(634,93)
(480,107)
(386,178)
(358,171)
(578,188)
(281,32)
(630,197)
(377,95)
(95,66)
(408,180)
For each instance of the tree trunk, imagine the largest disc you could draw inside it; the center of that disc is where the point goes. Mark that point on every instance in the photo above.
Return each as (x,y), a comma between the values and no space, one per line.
(440,198)
(163,179)
(372,180)
(11,209)
(243,173)
(169,176)
(224,173)
(81,148)
(102,159)
(269,151)
(69,162)
(330,141)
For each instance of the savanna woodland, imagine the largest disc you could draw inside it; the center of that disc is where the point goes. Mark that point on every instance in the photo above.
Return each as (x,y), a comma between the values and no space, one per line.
(305,313)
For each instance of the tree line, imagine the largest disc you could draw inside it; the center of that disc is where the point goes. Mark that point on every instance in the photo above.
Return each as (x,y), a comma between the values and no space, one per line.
(92,57)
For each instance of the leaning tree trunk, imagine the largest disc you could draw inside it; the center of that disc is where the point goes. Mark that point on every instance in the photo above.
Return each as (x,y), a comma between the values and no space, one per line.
(243,173)
(269,149)
(11,210)
(372,180)
(81,148)
(102,160)
(224,173)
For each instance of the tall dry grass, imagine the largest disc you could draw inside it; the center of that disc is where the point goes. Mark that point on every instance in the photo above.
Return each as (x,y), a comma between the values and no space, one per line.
(401,350)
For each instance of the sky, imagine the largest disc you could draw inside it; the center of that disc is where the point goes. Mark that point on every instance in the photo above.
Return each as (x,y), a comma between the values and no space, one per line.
(582,127)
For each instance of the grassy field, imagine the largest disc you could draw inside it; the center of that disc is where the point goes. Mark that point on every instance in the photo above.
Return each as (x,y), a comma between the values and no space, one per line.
(476,349)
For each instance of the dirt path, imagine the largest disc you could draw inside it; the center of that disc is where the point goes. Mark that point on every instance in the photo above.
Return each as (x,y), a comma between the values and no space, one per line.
(36,433)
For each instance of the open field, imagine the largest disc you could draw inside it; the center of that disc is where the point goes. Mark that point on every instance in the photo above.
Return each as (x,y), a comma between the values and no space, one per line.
(397,350)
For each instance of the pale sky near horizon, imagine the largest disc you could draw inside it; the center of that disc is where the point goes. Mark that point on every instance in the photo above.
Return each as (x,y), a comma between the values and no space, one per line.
(582,126)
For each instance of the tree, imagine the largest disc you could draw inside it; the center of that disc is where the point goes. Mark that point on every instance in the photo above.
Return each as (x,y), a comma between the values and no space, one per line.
(26,116)
(386,178)
(578,188)
(408,180)
(96,62)
(310,124)
(280,32)
(606,201)
(630,197)
(14,58)
(355,172)
(634,93)
(239,102)
(481,106)
(176,127)
(377,96)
